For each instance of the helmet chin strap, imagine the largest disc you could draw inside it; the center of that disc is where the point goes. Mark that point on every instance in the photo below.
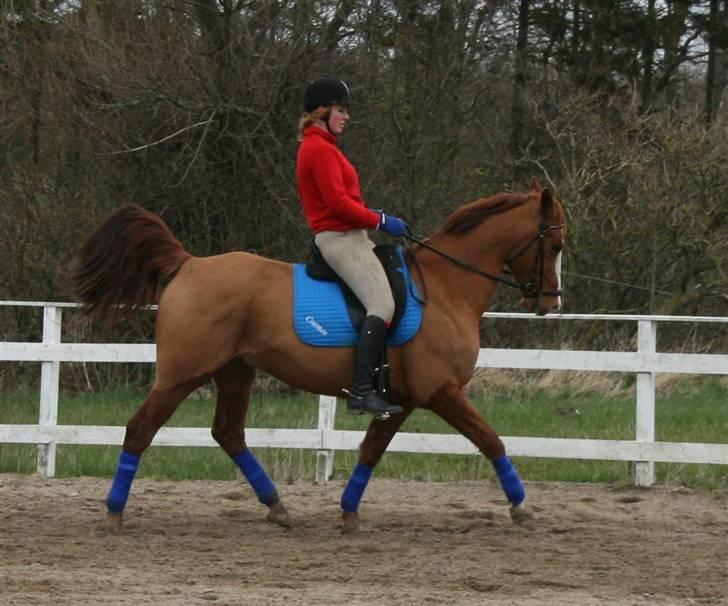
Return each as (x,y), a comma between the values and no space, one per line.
(326,122)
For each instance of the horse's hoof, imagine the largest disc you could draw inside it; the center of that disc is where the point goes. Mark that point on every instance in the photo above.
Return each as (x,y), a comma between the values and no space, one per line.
(277,514)
(110,525)
(522,516)
(351,522)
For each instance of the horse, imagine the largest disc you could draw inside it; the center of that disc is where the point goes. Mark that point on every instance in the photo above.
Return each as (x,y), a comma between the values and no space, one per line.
(223,317)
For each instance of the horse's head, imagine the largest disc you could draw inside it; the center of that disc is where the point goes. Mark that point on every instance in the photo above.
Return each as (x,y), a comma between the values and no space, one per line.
(536,262)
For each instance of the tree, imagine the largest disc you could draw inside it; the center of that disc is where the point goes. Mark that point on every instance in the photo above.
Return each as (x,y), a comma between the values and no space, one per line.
(716,77)
(189,107)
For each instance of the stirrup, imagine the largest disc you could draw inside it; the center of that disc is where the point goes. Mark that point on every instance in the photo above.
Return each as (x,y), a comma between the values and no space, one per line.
(370,403)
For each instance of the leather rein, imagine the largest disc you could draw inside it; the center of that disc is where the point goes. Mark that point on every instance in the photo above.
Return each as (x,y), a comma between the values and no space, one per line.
(533,289)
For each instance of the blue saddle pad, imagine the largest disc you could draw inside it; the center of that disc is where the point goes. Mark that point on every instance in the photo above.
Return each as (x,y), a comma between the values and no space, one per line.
(321,318)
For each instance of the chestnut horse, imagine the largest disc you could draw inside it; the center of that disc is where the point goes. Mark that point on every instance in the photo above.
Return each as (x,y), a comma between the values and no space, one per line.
(222,317)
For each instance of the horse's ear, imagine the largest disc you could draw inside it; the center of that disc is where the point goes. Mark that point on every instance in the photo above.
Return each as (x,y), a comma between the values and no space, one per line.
(547,202)
(536,184)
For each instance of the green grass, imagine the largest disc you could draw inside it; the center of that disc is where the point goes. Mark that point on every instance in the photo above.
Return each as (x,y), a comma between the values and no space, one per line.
(696,410)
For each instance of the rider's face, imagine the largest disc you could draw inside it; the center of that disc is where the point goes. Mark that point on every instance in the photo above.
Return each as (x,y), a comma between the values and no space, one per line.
(338,118)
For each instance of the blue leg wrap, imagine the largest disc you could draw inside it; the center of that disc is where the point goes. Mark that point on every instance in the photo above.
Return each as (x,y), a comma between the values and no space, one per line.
(125,471)
(511,483)
(355,488)
(264,488)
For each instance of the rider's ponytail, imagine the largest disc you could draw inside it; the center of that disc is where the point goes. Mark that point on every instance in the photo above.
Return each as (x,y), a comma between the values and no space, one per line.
(308,118)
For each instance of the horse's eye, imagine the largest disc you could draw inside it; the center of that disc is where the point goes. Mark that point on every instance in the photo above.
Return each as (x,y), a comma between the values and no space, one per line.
(556,248)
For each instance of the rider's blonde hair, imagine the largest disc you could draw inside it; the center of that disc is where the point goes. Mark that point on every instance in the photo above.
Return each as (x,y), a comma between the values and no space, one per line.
(320,113)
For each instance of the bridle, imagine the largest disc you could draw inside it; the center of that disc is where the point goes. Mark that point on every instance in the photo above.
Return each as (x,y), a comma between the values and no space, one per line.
(533,289)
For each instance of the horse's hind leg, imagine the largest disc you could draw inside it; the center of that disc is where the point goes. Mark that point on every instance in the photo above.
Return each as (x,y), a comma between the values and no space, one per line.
(379,435)
(451,404)
(234,382)
(156,409)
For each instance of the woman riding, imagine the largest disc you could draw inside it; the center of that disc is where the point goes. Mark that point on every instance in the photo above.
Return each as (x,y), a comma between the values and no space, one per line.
(328,185)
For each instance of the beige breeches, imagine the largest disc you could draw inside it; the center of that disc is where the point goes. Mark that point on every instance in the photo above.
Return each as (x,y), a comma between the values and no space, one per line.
(350,254)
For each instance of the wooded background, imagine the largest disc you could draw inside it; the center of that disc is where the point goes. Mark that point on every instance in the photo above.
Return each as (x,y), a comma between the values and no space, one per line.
(190,108)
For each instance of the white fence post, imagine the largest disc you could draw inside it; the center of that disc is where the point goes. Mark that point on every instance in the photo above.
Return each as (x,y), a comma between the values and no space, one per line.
(326,418)
(49,379)
(644,471)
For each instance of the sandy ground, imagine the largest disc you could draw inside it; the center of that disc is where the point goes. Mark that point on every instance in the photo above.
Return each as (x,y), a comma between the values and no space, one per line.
(208,542)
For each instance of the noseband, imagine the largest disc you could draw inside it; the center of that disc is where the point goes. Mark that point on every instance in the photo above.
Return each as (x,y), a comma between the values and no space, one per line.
(533,289)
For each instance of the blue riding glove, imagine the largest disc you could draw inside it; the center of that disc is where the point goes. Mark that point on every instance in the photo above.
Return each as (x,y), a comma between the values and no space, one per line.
(394,226)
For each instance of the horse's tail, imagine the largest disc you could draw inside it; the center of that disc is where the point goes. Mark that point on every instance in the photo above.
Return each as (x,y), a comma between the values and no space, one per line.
(119,268)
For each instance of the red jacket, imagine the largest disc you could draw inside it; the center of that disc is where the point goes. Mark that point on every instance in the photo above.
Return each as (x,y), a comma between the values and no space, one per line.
(328,185)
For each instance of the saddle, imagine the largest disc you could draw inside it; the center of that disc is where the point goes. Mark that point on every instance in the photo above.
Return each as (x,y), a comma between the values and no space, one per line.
(327,314)
(394,265)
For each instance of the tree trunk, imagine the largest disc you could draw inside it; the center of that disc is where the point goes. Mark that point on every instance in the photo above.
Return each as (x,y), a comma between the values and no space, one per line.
(518,101)
(719,91)
(709,107)
(648,55)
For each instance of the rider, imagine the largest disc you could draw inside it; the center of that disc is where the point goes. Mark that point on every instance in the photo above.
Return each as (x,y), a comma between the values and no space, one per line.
(328,185)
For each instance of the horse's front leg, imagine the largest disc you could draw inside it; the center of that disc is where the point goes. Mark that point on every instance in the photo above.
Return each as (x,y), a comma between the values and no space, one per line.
(451,404)
(379,435)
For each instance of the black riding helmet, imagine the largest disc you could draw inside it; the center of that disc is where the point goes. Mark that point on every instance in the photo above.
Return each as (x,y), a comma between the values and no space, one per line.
(326,92)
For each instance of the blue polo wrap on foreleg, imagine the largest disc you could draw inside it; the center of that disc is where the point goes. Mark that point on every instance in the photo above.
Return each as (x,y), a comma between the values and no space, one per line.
(355,487)
(509,480)
(125,471)
(264,488)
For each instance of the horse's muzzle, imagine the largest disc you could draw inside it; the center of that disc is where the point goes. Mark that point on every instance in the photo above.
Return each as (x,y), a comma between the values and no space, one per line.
(542,305)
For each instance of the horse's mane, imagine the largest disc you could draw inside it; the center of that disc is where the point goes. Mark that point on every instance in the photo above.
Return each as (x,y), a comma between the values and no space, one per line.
(471,215)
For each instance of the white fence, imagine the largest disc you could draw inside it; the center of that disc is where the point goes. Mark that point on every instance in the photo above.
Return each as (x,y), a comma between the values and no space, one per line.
(644,451)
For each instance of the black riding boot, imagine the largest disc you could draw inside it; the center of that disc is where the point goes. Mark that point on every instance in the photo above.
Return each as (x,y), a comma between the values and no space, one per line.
(363,394)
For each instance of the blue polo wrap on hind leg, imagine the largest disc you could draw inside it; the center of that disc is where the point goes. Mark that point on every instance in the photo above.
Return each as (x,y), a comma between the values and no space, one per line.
(509,480)
(264,488)
(125,471)
(355,487)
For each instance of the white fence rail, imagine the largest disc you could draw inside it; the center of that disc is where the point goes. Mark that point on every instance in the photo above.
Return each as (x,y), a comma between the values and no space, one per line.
(646,363)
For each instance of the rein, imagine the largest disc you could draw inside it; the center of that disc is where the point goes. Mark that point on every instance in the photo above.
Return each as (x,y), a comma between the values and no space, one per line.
(530,290)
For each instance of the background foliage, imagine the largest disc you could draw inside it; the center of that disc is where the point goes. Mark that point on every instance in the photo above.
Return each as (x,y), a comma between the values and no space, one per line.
(189,108)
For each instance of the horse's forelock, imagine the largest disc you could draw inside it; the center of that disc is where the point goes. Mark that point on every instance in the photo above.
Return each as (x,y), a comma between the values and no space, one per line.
(555,212)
